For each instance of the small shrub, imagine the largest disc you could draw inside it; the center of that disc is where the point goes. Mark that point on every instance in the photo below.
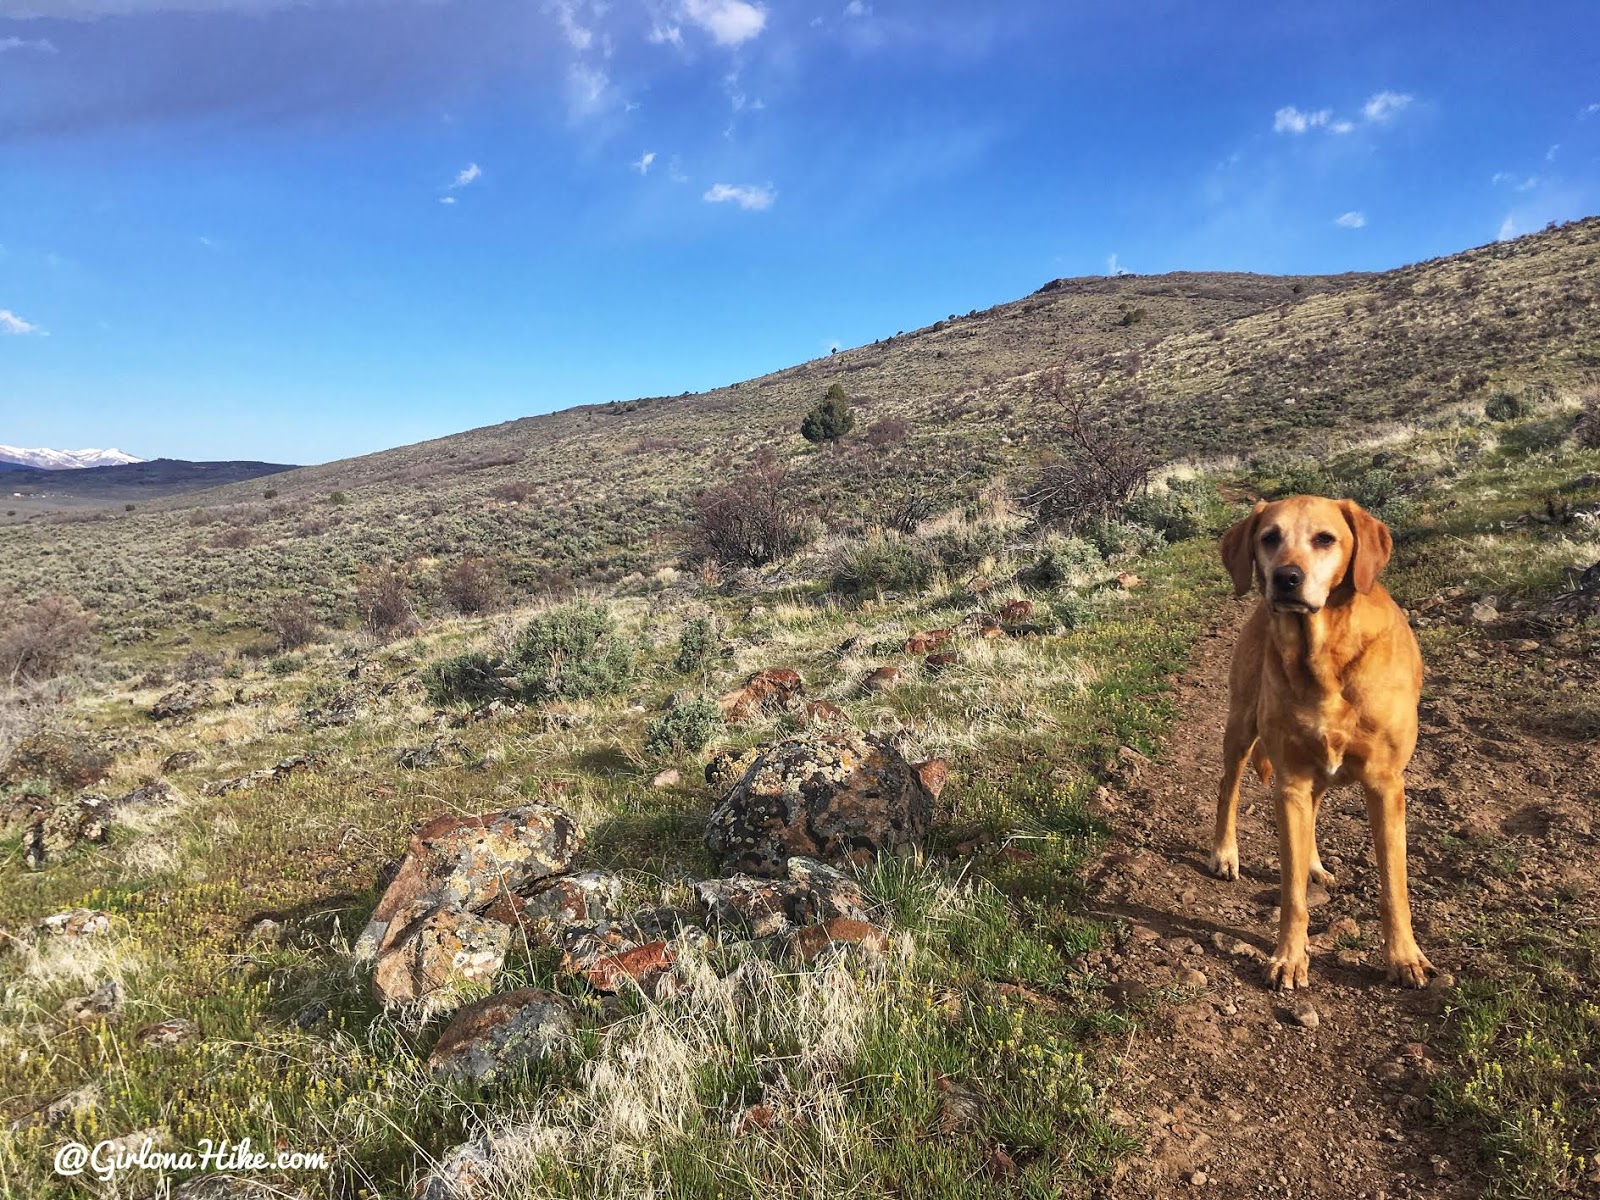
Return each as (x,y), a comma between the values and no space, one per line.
(44,639)
(293,624)
(339,498)
(1179,512)
(965,548)
(270,494)
(1587,430)
(572,653)
(474,585)
(881,564)
(697,645)
(831,419)
(1504,406)
(471,678)
(1123,539)
(1062,561)
(1096,469)
(684,728)
(382,601)
(284,664)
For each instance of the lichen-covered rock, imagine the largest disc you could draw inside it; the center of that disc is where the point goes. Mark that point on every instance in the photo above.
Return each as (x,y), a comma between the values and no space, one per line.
(468,862)
(232,1187)
(927,640)
(764,692)
(825,716)
(181,703)
(884,679)
(554,904)
(935,663)
(491,1038)
(179,760)
(278,770)
(642,965)
(811,892)
(105,1003)
(76,923)
(728,767)
(429,957)
(835,797)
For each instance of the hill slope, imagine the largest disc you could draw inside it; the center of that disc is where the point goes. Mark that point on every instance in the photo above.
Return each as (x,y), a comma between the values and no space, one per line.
(1194,364)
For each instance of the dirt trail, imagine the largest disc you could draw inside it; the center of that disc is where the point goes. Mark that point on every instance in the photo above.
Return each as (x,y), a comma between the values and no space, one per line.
(1232,1092)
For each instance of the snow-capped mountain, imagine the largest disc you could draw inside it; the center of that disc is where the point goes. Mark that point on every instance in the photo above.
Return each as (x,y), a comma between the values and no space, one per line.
(65,460)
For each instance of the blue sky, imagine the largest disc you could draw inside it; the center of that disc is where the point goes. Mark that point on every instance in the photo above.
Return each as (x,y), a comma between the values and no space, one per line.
(299,231)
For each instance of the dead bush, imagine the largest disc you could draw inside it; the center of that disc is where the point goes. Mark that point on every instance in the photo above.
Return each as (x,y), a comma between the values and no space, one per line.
(1095,469)
(44,639)
(474,585)
(293,624)
(755,520)
(382,601)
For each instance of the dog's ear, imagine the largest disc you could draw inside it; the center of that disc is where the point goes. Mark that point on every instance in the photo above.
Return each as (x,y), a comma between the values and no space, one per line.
(1373,546)
(1239,550)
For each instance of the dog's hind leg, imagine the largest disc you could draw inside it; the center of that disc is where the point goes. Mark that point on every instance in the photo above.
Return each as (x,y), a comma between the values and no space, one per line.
(1237,746)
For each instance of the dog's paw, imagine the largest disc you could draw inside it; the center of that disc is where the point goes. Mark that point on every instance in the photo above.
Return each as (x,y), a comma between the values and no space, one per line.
(1225,863)
(1322,875)
(1289,969)
(1410,970)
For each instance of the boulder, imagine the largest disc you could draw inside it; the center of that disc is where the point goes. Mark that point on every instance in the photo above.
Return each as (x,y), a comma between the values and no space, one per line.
(182,702)
(491,1038)
(642,965)
(431,956)
(104,1003)
(810,892)
(772,691)
(825,715)
(935,663)
(839,798)
(76,923)
(729,766)
(557,903)
(179,760)
(173,1031)
(56,830)
(469,862)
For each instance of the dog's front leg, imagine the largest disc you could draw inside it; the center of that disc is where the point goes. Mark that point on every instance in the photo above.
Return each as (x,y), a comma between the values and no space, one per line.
(1386,813)
(1289,966)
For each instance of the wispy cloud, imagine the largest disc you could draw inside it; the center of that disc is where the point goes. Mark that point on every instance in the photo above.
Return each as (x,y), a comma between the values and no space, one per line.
(857,9)
(729,22)
(1351,220)
(579,36)
(643,165)
(13,324)
(1385,106)
(447,199)
(1519,182)
(752,197)
(1508,229)
(1113,267)
(589,90)
(466,175)
(1290,119)
(1589,110)
(40,45)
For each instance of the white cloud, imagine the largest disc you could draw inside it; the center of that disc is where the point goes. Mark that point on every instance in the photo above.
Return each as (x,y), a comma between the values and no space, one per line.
(466,175)
(1520,183)
(579,36)
(1508,229)
(42,45)
(11,323)
(1341,127)
(1290,119)
(1113,267)
(857,9)
(1384,106)
(447,199)
(729,22)
(588,90)
(1589,110)
(747,196)
(1550,154)
(665,35)
(1351,220)
(643,165)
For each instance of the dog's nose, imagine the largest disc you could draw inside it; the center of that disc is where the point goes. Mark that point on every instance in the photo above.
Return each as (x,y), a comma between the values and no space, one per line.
(1288,579)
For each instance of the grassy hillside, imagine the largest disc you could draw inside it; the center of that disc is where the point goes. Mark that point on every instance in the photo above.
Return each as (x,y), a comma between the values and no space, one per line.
(29,493)
(1196,364)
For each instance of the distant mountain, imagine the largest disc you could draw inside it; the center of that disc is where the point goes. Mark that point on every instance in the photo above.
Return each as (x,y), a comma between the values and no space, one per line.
(65,460)
(30,490)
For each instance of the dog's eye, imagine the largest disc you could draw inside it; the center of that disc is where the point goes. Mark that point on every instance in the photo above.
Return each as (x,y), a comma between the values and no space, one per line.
(1271,538)
(1323,540)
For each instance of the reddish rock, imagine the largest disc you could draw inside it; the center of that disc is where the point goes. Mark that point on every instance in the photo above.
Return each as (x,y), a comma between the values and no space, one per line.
(642,964)
(467,862)
(933,774)
(554,904)
(772,691)
(495,1036)
(825,715)
(1127,581)
(839,798)
(927,640)
(991,632)
(884,679)
(809,943)
(1015,611)
(935,663)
